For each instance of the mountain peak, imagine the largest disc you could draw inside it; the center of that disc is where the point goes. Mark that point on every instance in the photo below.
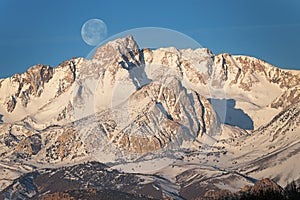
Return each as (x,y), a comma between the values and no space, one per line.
(186,115)
(121,46)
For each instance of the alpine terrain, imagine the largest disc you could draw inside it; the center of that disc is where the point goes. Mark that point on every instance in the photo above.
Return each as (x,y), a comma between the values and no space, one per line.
(149,123)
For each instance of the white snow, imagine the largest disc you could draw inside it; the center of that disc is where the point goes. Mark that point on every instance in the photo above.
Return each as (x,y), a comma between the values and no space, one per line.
(105,92)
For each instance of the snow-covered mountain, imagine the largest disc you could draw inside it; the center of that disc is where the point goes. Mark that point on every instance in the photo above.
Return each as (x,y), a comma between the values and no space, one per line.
(196,120)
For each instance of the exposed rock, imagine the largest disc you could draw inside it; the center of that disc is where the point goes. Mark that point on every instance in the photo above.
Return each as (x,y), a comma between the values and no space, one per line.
(286,121)
(287,98)
(67,111)
(35,77)
(64,145)
(25,98)
(29,146)
(124,50)
(265,185)
(164,106)
(263,189)
(242,70)
(212,194)
(11,104)
(66,73)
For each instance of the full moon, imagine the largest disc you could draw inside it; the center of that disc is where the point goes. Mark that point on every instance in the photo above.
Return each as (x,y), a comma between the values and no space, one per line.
(93,31)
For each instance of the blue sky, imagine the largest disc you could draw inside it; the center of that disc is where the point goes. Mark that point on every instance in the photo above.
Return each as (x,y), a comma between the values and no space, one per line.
(48,32)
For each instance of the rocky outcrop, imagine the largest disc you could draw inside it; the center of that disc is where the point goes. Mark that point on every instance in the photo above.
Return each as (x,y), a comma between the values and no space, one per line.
(123,48)
(33,80)
(66,112)
(286,121)
(64,145)
(66,74)
(263,189)
(244,71)
(29,146)
(219,194)
(162,119)
(11,104)
(265,185)
(287,98)
(36,81)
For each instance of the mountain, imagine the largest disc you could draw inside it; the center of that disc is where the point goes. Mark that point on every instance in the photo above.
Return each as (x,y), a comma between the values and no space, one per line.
(186,121)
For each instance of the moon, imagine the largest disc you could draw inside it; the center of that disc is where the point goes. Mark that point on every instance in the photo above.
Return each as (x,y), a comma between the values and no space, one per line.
(93,31)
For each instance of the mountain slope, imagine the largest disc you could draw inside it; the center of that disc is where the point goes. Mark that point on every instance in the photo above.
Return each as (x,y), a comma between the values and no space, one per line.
(194,119)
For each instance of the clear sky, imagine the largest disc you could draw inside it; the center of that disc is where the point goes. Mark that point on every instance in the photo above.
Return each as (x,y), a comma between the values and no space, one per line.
(48,32)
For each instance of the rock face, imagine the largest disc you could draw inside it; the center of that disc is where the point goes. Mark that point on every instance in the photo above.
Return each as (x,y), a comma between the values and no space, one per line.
(245,72)
(38,83)
(286,121)
(31,83)
(11,104)
(289,97)
(166,106)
